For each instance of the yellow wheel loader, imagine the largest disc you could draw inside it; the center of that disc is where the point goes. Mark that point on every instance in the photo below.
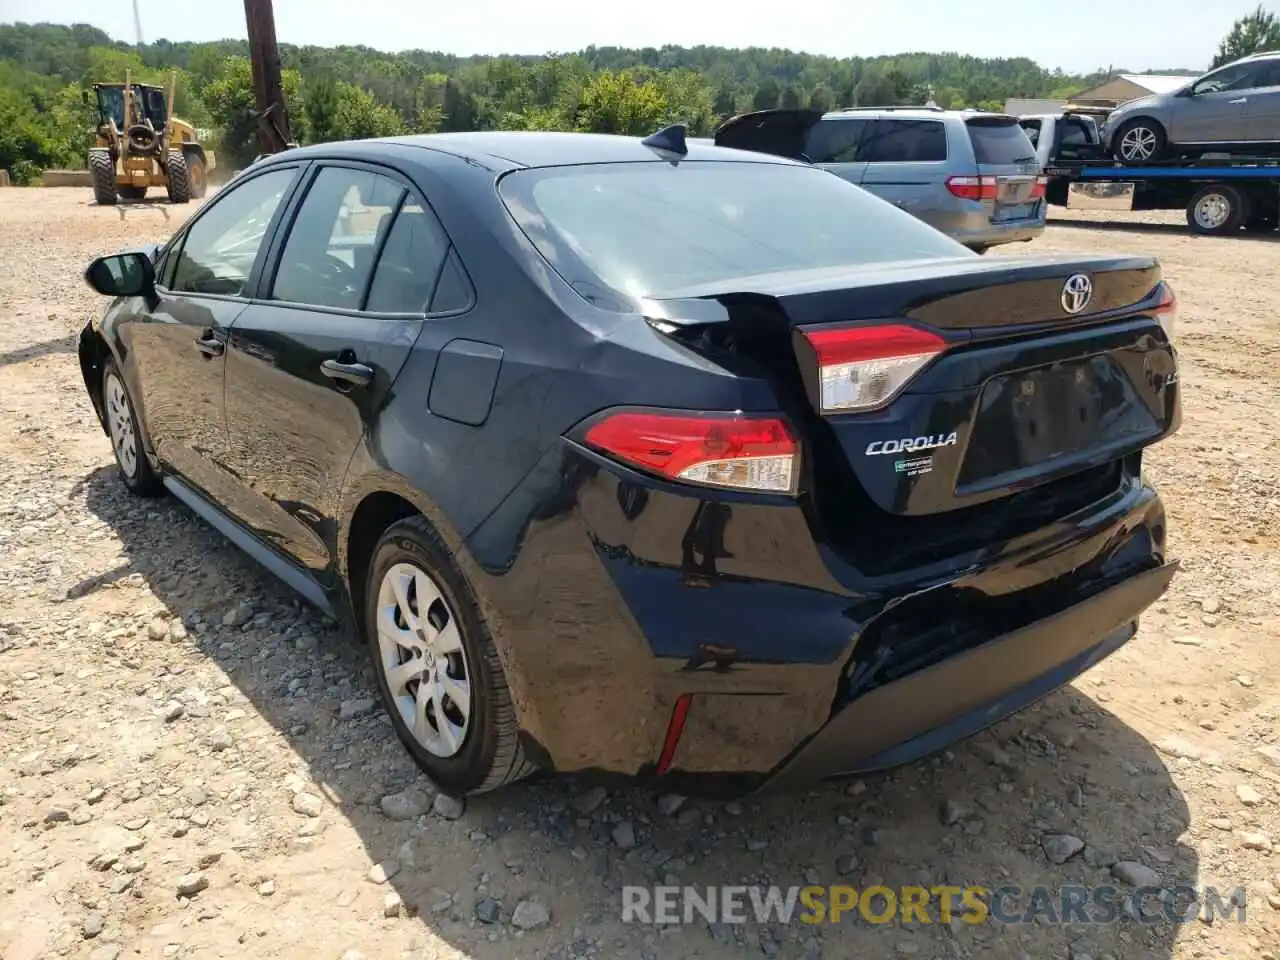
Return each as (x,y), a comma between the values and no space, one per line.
(141,145)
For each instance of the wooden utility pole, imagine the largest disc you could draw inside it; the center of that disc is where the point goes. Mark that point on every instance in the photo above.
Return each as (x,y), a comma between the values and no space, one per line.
(273,130)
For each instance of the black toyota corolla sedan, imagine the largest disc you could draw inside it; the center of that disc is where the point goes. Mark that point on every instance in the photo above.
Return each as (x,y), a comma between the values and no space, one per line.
(650,458)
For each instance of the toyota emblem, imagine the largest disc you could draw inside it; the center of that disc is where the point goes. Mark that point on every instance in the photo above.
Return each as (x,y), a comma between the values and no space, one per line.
(1076,293)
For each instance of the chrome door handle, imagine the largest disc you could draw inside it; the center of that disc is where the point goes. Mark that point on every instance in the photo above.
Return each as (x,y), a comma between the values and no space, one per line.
(1241,100)
(358,374)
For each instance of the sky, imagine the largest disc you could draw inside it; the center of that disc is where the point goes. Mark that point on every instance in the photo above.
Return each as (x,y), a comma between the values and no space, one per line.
(1079,36)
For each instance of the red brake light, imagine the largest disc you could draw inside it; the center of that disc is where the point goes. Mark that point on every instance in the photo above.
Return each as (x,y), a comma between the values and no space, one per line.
(730,450)
(1166,310)
(1037,191)
(861,368)
(974,188)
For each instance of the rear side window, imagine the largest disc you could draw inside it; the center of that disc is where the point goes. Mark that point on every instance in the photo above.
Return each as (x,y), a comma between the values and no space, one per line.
(835,141)
(1000,142)
(1075,133)
(409,264)
(905,141)
(1032,129)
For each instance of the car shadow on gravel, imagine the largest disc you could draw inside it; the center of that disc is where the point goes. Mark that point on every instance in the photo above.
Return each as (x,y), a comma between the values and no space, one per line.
(1064,781)
(1124,226)
(35,351)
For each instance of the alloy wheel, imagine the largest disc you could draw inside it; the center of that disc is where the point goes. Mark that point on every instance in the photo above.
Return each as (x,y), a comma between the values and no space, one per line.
(120,426)
(1138,143)
(423,660)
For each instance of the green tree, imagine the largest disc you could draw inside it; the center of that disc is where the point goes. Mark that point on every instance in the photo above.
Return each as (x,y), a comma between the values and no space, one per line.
(1258,31)
(320,105)
(617,103)
(359,116)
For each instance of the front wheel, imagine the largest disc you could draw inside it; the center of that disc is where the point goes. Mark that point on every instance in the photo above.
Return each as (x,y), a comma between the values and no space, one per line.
(437,667)
(1217,209)
(126,439)
(1140,141)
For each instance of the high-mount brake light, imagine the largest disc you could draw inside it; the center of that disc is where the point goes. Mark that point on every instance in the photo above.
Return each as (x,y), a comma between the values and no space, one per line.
(1166,311)
(730,450)
(862,368)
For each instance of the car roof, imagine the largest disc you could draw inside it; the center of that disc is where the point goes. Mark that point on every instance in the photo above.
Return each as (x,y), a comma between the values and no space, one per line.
(913,113)
(510,149)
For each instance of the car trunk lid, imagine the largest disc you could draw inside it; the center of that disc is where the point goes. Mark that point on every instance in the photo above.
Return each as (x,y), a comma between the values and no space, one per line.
(938,385)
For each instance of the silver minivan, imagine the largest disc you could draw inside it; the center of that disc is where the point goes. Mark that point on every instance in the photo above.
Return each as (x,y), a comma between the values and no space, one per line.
(974,176)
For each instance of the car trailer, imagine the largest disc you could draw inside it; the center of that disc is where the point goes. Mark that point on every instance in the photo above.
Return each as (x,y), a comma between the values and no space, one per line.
(1220,196)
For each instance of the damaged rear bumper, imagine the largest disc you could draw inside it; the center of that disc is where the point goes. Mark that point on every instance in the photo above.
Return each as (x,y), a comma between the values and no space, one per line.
(935,707)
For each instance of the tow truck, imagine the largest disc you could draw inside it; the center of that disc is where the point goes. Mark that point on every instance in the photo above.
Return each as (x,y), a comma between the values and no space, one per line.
(1221,195)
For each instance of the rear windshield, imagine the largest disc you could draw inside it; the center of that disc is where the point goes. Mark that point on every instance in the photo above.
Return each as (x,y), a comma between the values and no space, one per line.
(646,229)
(1000,142)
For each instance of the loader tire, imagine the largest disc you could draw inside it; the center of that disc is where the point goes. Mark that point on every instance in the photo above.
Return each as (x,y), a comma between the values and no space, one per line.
(103,173)
(179,181)
(196,176)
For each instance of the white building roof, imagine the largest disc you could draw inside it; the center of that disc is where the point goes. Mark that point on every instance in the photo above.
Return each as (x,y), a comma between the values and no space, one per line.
(1156,83)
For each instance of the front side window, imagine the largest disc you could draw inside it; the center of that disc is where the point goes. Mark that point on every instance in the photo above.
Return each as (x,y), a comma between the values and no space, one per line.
(905,141)
(328,259)
(221,247)
(650,229)
(1242,76)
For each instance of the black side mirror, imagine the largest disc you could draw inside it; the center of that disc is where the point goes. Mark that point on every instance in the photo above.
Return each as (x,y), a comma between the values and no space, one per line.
(122,275)
(84,95)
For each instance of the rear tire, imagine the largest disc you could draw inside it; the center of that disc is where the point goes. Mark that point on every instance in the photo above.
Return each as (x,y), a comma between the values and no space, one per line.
(126,439)
(421,614)
(179,182)
(1140,141)
(1217,210)
(103,173)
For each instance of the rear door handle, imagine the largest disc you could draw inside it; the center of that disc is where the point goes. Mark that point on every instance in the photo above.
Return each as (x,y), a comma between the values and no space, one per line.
(1241,100)
(354,373)
(210,346)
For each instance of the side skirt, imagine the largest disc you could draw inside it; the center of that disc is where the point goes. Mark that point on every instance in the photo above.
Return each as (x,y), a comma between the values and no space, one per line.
(299,580)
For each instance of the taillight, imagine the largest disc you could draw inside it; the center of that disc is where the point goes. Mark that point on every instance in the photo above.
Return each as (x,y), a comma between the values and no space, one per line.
(1038,190)
(861,368)
(974,188)
(1166,310)
(732,450)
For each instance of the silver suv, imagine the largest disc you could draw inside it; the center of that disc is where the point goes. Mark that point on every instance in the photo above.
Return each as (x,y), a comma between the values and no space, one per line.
(1234,109)
(974,176)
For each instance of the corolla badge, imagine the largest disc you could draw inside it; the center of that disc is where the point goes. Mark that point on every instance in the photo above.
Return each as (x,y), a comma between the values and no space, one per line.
(1076,293)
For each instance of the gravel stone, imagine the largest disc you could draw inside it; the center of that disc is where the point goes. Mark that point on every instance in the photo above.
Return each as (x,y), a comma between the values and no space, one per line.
(1060,847)
(530,915)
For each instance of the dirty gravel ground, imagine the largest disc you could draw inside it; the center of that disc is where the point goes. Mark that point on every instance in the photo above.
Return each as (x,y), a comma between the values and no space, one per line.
(191,764)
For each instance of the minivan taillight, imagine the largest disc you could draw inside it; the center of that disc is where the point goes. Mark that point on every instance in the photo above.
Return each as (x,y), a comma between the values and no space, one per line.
(732,450)
(862,368)
(974,188)
(1038,189)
